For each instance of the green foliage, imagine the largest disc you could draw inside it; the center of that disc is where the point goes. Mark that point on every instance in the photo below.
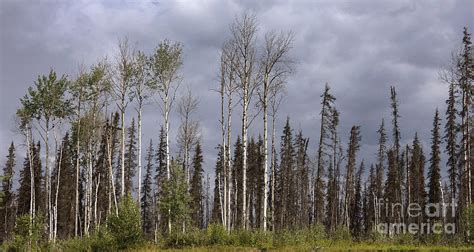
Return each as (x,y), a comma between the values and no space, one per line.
(104,240)
(27,232)
(100,240)
(125,227)
(468,219)
(255,239)
(164,64)
(217,235)
(404,239)
(315,233)
(175,199)
(342,233)
(47,100)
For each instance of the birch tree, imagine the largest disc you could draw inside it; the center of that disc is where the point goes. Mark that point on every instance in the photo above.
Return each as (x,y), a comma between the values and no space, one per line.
(188,132)
(142,92)
(48,106)
(244,31)
(25,116)
(274,66)
(275,98)
(122,84)
(164,65)
(228,88)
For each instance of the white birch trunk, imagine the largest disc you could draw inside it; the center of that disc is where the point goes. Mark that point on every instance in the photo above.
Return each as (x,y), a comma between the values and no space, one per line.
(244,161)
(265,154)
(32,178)
(48,185)
(273,171)
(56,196)
(224,163)
(229,173)
(139,152)
(122,160)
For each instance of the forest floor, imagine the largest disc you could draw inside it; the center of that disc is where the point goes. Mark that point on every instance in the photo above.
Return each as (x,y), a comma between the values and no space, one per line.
(334,247)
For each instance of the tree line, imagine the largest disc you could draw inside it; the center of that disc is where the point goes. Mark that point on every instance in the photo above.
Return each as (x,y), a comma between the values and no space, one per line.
(82,158)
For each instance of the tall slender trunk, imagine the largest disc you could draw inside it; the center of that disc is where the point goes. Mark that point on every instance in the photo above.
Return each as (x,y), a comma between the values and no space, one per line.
(122,159)
(139,152)
(317,205)
(224,163)
(229,173)
(32,177)
(56,194)
(78,151)
(244,161)
(48,184)
(265,155)
(273,172)
(111,175)
(96,217)
(407,167)
(168,175)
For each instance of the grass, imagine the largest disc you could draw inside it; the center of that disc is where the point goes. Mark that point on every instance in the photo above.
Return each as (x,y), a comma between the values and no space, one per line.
(351,246)
(216,238)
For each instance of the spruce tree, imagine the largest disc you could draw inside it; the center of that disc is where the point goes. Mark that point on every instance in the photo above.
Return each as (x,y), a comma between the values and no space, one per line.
(160,175)
(450,138)
(147,194)
(302,177)
(130,158)
(350,190)
(381,156)
(465,74)
(197,210)
(24,189)
(160,155)
(322,152)
(217,205)
(396,149)
(7,211)
(434,176)
(62,185)
(356,225)
(417,178)
(391,188)
(237,164)
(370,208)
(174,204)
(284,197)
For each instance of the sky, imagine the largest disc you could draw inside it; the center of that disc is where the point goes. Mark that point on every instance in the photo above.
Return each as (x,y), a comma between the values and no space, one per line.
(360,48)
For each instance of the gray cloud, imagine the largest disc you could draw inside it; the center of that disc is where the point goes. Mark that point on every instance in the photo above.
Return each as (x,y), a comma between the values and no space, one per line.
(359,47)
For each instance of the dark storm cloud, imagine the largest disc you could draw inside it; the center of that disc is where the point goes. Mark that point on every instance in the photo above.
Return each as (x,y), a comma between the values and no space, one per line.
(359,47)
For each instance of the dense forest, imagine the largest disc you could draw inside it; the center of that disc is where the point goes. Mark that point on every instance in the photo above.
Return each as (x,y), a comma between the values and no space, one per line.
(82,173)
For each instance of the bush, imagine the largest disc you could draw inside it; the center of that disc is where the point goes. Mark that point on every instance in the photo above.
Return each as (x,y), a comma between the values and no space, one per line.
(103,240)
(125,227)
(22,238)
(217,235)
(468,220)
(342,233)
(404,239)
(315,234)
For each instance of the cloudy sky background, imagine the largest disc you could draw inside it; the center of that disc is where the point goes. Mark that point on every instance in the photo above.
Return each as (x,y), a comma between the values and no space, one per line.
(360,48)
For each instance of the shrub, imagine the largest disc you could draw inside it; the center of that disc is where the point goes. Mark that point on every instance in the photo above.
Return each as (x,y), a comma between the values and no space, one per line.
(217,235)
(404,239)
(22,238)
(342,233)
(468,219)
(125,227)
(103,240)
(315,234)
